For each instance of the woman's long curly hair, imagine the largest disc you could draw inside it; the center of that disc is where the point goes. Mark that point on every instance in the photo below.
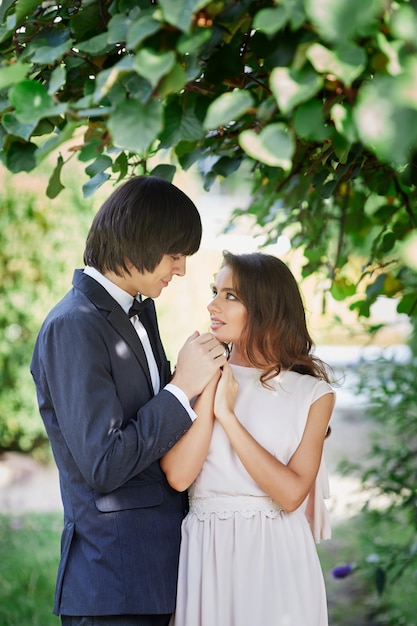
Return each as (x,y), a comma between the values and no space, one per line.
(276,331)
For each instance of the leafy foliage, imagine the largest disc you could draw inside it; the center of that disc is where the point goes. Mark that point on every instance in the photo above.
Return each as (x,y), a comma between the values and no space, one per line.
(311,101)
(29,555)
(390,474)
(37,250)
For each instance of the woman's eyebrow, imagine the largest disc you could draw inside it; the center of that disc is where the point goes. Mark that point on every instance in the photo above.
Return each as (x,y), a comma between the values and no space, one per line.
(213,286)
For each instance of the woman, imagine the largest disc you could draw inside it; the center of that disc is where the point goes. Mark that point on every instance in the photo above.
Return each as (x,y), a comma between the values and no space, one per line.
(253,459)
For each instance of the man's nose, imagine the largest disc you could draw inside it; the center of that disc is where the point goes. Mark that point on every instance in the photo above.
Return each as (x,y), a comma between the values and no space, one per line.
(180,266)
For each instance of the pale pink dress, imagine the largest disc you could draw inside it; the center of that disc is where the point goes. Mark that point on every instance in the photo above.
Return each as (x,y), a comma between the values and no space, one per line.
(244,562)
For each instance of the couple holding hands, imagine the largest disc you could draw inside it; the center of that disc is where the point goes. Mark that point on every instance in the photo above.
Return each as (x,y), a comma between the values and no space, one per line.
(192,499)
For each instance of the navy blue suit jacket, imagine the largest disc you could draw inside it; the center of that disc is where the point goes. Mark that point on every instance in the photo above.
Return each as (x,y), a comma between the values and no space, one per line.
(122,520)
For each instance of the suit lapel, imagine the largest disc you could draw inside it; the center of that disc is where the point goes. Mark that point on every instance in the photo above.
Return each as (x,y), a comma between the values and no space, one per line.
(115,315)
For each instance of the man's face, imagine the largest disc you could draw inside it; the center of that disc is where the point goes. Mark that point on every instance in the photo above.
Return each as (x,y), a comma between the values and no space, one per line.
(150,284)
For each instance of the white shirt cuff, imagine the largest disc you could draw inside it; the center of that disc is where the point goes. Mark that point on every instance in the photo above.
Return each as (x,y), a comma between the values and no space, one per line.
(181,397)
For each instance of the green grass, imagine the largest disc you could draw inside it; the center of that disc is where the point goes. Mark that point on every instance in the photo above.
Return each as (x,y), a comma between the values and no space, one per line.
(29,554)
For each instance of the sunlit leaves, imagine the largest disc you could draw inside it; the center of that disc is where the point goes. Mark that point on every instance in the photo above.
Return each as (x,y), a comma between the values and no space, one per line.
(135,126)
(270,21)
(292,87)
(344,19)
(47,55)
(140,29)
(385,126)
(227,108)
(153,66)
(313,103)
(273,145)
(32,102)
(345,62)
(11,74)
(180,12)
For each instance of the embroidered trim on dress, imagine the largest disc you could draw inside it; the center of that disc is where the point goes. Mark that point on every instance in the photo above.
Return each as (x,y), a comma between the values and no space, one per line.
(224,507)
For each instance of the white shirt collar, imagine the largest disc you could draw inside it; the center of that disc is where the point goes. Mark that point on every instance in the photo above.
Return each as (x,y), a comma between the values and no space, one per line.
(117,293)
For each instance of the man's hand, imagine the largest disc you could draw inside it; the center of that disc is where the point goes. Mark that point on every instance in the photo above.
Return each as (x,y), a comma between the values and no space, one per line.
(198,360)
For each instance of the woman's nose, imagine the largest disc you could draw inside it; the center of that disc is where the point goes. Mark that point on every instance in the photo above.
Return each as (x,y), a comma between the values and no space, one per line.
(213,305)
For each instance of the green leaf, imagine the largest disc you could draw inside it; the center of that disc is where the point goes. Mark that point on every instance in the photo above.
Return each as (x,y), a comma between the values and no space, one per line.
(101,163)
(152,65)
(11,74)
(94,46)
(94,183)
(173,82)
(343,120)
(269,21)
(273,145)
(54,185)
(107,79)
(376,288)
(227,108)
(227,165)
(118,28)
(4,7)
(32,102)
(344,19)
(342,288)
(309,123)
(7,29)
(180,12)
(21,157)
(57,79)
(121,165)
(135,126)
(47,55)
(408,304)
(165,171)
(24,8)
(141,29)
(292,87)
(15,127)
(58,139)
(388,129)
(346,62)
(191,43)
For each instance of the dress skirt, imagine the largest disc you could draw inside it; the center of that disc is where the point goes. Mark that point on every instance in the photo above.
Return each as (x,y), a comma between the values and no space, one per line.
(244,562)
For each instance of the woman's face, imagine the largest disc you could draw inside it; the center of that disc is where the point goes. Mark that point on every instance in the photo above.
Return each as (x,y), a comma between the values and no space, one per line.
(228,314)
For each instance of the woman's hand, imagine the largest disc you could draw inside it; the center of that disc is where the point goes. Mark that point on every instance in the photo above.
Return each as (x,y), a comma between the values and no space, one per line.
(224,400)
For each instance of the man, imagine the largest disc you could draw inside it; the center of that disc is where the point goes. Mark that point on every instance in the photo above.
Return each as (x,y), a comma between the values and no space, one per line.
(111,409)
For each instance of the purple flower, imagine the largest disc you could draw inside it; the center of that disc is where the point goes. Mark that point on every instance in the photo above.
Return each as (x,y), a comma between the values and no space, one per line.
(341,571)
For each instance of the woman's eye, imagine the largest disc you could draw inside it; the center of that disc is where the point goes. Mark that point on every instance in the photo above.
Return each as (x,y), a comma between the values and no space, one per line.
(230,296)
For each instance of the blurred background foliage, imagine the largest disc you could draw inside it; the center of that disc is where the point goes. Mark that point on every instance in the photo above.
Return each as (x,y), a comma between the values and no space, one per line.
(39,247)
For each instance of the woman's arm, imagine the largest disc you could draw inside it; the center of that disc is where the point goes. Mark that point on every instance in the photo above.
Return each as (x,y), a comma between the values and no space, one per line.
(183,462)
(288,485)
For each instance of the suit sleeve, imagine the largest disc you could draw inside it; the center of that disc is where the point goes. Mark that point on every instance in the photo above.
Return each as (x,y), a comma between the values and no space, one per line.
(92,391)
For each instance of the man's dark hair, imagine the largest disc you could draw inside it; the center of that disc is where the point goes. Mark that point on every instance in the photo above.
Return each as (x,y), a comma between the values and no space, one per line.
(142,220)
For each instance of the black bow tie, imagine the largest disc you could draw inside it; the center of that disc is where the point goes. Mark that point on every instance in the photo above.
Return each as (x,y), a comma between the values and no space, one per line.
(137,306)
